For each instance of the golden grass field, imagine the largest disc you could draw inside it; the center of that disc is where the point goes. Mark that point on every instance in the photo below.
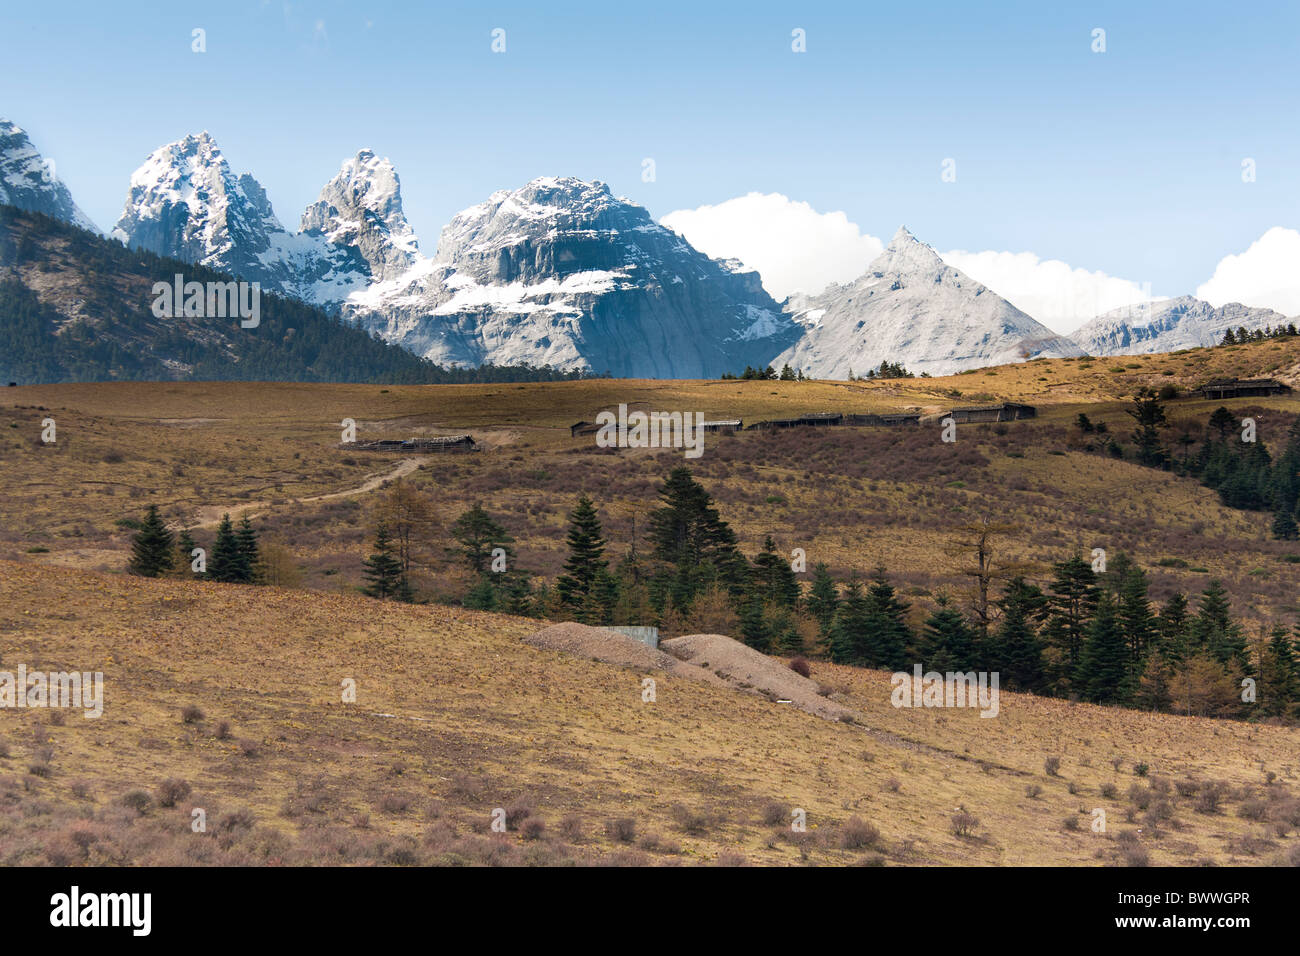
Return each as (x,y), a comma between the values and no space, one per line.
(480,720)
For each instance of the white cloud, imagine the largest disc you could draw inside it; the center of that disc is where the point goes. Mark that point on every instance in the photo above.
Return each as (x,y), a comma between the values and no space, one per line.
(1267,275)
(791,245)
(1055,293)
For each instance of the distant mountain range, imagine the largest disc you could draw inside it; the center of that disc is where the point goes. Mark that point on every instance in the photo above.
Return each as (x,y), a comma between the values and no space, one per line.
(560,272)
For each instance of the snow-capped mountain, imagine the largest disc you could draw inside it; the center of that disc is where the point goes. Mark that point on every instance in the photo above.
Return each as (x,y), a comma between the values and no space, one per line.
(1168,325)
(562,272)
(29,182)
(912,307)
(361,208)
(186,202)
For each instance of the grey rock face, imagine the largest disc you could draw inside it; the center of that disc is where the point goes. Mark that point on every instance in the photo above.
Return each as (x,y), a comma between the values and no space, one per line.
(185,202)
(29,182)
(1169,325)
(361,208)
(561,272)
(911,307)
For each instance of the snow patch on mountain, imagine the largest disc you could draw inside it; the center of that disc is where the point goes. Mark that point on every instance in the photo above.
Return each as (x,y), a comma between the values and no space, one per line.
(30,182)
(561,271)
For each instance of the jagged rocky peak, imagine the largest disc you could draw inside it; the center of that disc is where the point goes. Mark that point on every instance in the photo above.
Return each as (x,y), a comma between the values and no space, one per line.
(910,306)
(513,233)
(561,271)
(906,253)
(30,182)
(361,207)
(184,201)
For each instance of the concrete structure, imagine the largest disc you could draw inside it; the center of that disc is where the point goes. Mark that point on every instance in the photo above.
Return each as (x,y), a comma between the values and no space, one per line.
(646,635)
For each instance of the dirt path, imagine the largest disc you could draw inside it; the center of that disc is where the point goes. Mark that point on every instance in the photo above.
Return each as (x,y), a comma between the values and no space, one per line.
(209,516)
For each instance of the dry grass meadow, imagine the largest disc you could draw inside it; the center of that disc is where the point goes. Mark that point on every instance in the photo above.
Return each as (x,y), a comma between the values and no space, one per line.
(228,698)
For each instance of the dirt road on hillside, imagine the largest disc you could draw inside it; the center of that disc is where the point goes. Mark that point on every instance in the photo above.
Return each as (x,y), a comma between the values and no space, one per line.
(209,516)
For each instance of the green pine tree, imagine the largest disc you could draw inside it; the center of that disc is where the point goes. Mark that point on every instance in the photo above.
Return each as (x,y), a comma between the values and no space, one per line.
(227,561)
(185,552)
(249,556)
(1017,653)
(947,643)
(773,581)
(1213,629)
(887,635)
(479,535)
(152,547)
(848,629)
(822,599)
(383,569)
(585,563)
(1104,673)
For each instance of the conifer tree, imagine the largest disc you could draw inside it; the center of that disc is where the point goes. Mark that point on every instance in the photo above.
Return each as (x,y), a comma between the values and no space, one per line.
(585,562)
(1017,653)
(1214,631)
(695,546)
(1173,629)
(1069,611)
(822,598)
(1104,669)
(946,641)
(1136,620)
(185,551)
(227,561)
(848,630)
(478,535)
(887,635)
(383,569)
(1281,674)
(249,556)
(773,580)
(152,547)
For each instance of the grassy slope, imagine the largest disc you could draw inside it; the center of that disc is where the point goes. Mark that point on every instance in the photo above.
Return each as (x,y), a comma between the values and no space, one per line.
(482,720)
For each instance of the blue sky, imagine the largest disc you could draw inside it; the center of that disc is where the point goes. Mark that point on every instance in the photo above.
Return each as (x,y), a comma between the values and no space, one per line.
(1127,162)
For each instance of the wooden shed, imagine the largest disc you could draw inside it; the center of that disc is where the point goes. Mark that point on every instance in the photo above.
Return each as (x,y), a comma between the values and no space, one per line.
(1243,388)
(1005,412)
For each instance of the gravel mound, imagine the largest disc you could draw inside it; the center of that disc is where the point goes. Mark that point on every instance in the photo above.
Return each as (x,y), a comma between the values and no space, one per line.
(746,669)
(711,658)
(598,644)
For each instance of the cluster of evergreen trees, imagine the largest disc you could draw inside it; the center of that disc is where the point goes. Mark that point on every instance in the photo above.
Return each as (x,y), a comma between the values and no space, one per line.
(769,374)
(1086,634)
(1243,336)
(1244,473)
(235,556)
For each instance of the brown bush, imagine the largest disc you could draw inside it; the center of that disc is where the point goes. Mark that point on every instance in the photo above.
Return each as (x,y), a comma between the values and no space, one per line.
(172,790)
(621,829)
(801,666)
(858,834)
